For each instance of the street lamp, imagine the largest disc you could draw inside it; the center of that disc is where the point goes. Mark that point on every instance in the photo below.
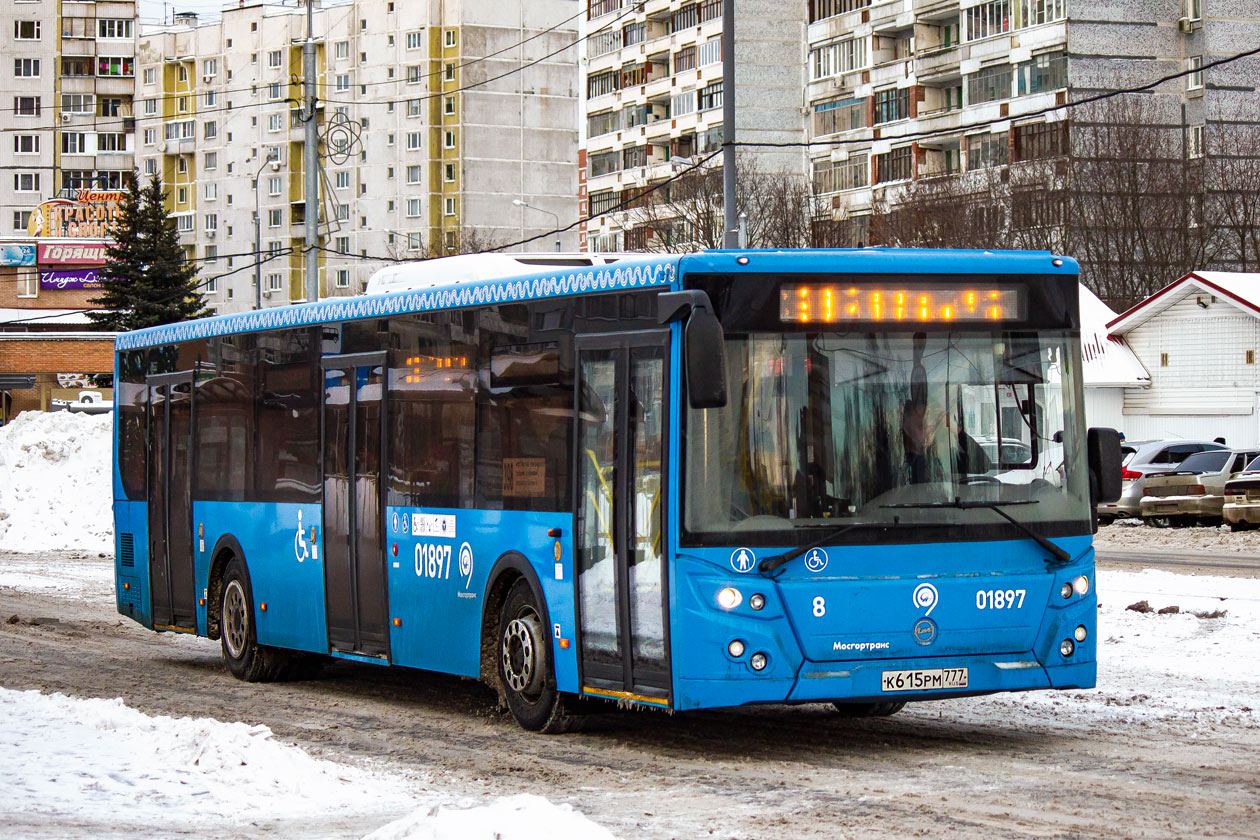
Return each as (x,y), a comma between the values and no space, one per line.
(555,216)
(274,163)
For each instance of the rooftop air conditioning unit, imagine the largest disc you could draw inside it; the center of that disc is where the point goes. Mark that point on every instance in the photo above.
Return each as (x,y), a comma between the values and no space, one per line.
(65,117)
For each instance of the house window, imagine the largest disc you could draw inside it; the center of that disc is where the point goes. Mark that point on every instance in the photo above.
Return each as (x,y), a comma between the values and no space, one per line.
(1194,80)
(212,222)
(21,220)
(274,58)
(448,139)
(342,49)
(990,84)
(275,122)
(1040,141)
(77,66)
(988,19)
(27,106)
(212,191)
(211,160)
(209,68)
(710,97)
(413,174)
(415,107)
(212,98)
(122,65)
(73,143)
(210,129)
(1194,144)
(448,73)
(413,208)
(414,139)
(892,104)
(273,185)
(111,106)
(895,165)
(27,68)
(1047,71)
(150,75)
(343,278)
(26,30)
(414,40)
(839,115)
(28,282)
(113,28)
(275,217)
(26,144)
(273,91)
(185,223)
(685,59)
(26,182)
(450,173)
(272,282)
(150,166)
(413,74)
(111,142)
(150,107)
(449,37)
(343,212)
(987,150)
(450,207)
(448,106)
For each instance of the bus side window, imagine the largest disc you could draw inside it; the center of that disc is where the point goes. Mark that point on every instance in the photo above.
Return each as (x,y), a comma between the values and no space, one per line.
(288,392)
(225,419)
(432,409)
(132,396)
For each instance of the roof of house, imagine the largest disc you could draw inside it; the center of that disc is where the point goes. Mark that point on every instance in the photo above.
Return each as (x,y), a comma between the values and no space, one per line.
(1108,360)
(38,318)
(1242,290)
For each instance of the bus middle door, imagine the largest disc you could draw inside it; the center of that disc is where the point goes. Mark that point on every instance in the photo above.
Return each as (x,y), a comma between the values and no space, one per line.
(355,595)
(171,585)
(622,399)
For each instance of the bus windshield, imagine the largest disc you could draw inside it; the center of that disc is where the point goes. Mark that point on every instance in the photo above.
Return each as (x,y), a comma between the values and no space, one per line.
(825,429)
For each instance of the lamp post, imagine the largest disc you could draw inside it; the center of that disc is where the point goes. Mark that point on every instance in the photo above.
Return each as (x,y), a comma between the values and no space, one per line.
(275,166)
(555,216)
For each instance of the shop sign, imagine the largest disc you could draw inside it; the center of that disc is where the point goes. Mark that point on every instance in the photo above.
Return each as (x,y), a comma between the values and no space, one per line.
(88,253)
(75,278)
(17,255)
(92,213)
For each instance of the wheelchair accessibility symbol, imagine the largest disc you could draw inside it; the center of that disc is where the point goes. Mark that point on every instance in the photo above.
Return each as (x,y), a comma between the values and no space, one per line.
(816,560)
(300,549)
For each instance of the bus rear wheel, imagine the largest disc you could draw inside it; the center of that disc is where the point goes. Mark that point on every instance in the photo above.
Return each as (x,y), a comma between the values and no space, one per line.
(245,658)
(857,710)
(524,664)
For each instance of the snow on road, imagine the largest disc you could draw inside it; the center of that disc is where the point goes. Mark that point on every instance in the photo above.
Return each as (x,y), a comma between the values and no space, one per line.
(1132,535)
(71,762)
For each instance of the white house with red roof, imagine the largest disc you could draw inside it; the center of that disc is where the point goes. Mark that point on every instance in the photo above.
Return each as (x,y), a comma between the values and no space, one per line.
(1109,365)
(1198,338)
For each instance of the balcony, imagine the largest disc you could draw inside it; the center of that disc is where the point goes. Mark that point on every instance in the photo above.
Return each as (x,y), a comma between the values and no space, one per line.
(937,62)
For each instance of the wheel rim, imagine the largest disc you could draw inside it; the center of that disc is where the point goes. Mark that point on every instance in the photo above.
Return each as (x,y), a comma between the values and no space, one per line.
(235,619)
(520,655)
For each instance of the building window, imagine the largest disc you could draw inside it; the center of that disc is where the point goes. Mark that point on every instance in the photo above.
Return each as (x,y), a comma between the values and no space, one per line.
(21,220)
(895,165)
(342,82)
(448,106)
(343,278)
(275,217)
(450,207)
(1037,12)
(603,163)
(449,37)
(450,173)
(212,98)
(710,97)
(595,8)
(413,174)
(1040,141)
(212,222)
(988,19)
(986,150)
(414,75)
(26,30)
(150,75)
(634,33)
(274,58)
(448,139)
(212,191)
(28,283)
(602,43)
(26,144)
(111,106)
(414,140)
(989,84)
(343,212)
(599,84)
(836,175)
(1194,142)
(1194,9)
(27,68)
(841,57)
(73,143)
(892,104)
(273,91)
(820,9)
(272,282)
(415,40)
(1194,80)
(342,49)
(1041,73)
(710,52)
(121,65)
(185,223)
(210,129)
(634,156)
(685,59)
(603,202)
(415,107)
(27,106)
(111,142)
(413,208)
(448,73)
(209,68)
(684,18)
(77,67)
(26,182)
(116,28)
(150,166)
(211,160)
(839,115)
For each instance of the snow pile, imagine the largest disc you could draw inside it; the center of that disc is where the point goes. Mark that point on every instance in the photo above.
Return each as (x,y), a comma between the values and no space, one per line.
(522,817)
(78,763)
(55,482)
(1133,535)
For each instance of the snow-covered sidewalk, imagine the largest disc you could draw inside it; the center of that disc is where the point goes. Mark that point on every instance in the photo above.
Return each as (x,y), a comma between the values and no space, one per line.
(73,767)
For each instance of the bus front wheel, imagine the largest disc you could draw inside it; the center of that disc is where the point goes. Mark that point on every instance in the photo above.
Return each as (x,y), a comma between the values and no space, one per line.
(245,658)
(856,710)
(524,663)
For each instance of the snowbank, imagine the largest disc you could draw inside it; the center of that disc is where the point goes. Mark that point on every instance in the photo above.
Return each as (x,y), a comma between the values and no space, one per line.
(1133,535)
(55,490)
(76,763)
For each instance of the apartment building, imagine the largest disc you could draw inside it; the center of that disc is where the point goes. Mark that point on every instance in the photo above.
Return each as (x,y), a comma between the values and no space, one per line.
(652,107)
(908,90)
(433,119)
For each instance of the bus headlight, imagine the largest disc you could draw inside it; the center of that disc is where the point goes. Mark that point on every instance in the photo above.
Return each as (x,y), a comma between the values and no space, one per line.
(757,601)
(1067,647)
(1066,591)
(1081,585)
(1081,633)
(758,661)
(735,649)
(729,598)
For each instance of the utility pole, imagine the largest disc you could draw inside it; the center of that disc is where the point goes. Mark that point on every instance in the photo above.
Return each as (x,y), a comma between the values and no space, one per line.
(731,235)
(310,158)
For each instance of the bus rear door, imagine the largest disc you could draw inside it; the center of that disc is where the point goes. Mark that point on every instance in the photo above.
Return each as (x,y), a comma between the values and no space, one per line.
(622,403)
(354,559)
(170,502)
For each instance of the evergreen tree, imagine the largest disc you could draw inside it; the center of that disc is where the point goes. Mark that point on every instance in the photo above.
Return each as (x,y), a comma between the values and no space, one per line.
(147,280)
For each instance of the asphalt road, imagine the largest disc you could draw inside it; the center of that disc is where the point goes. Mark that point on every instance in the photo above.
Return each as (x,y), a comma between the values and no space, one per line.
(1193,562)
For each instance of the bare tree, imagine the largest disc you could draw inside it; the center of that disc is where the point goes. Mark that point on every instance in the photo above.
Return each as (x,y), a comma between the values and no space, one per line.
(1233,185)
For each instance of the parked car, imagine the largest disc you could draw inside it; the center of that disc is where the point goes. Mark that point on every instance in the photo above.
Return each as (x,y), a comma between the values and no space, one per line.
(1149,456)
(1196,491)
(1242,499)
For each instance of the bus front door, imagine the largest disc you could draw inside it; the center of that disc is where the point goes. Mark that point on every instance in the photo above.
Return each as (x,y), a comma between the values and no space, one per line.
(622,423)
(354,558)
(171,585)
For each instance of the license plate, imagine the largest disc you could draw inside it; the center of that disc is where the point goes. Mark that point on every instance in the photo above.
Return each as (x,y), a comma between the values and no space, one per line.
(927,679)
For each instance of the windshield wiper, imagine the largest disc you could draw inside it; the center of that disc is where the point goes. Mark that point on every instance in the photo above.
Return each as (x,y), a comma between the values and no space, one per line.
(769,564)
(1059,554)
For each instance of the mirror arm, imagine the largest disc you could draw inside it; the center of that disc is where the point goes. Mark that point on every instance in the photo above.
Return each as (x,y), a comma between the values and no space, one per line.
(675,306)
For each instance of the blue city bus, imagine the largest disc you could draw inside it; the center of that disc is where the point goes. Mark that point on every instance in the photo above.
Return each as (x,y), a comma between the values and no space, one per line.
(856,477)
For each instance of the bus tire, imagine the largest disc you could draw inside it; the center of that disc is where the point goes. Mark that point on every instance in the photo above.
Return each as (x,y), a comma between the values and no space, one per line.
(858,710)
(524,666)
(245,658)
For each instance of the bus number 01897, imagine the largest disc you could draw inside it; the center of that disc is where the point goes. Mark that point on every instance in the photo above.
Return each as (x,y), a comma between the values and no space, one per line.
(999,599)
(433,561)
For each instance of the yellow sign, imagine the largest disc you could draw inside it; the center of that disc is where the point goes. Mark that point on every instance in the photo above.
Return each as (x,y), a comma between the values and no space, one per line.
(92,214)
(812,304)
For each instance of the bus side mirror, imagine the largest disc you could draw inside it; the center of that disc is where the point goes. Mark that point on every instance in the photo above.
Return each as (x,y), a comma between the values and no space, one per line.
(1105,463)
(704,346)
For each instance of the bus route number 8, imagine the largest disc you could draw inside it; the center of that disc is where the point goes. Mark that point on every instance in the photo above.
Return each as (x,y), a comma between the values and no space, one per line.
(820,607)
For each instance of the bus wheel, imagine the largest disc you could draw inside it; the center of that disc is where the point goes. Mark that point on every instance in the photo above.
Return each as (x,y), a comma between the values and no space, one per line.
(857,710)
(245,658)
(525,666)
